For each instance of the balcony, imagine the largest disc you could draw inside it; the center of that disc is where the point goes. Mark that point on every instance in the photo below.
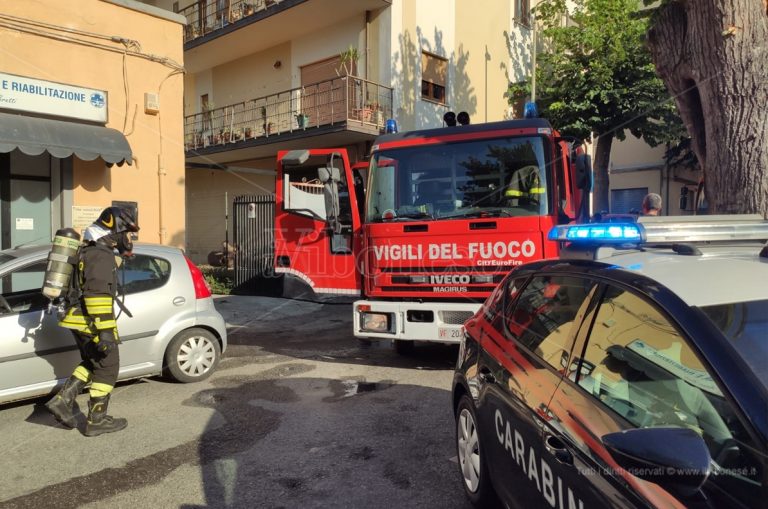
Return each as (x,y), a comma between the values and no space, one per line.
(220,31)
(340,111)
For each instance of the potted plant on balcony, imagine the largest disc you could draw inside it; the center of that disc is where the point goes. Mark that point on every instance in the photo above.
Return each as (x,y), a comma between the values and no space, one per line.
(235,14)
(378,114)
(348,61)
(248,133)
(302,119)
(247,9)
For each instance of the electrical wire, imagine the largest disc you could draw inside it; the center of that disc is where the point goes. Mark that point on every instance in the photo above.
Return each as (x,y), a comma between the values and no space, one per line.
(130,47)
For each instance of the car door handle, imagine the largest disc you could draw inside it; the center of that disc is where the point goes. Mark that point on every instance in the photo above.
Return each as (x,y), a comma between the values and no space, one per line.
(557,448)
(486,376)
(179,301)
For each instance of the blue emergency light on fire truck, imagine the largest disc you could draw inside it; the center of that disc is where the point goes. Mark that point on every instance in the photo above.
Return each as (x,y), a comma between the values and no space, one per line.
(422,234)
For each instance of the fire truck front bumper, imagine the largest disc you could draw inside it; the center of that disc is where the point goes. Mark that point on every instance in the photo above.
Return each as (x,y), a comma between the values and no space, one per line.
(417,321)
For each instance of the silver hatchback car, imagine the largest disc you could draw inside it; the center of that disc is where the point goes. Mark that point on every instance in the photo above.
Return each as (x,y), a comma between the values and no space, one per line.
(174,329)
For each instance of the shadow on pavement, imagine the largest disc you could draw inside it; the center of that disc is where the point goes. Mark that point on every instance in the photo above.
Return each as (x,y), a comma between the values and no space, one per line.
(262,327)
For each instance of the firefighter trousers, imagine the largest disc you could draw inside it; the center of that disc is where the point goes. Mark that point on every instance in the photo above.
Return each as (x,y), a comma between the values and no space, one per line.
(102,367)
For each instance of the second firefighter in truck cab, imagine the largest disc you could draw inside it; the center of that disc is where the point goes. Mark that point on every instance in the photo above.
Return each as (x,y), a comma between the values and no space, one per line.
(92,320)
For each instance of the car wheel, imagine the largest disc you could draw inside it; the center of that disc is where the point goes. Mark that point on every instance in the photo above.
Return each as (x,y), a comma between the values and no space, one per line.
(192,355)
(472,466)
(404,347)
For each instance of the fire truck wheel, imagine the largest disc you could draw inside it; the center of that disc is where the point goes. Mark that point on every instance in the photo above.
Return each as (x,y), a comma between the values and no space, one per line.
(404,347)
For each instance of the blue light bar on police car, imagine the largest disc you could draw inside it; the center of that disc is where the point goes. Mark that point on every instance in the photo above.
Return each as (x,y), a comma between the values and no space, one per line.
(608,233)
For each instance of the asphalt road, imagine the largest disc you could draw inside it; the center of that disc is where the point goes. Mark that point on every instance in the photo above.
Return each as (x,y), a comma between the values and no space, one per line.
(298,415)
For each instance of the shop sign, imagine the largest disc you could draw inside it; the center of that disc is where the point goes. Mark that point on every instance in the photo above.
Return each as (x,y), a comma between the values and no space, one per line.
(49,98)
(84,215)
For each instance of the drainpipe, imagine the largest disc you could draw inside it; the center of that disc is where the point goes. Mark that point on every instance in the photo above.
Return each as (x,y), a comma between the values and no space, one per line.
(160,168)
(367,42)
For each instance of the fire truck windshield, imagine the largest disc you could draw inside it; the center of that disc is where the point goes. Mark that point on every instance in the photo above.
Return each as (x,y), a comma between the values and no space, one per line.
(476,178)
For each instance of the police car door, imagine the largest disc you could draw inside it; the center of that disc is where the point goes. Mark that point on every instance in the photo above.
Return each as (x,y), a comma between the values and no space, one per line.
(635,369)
(522,364)
(593,400)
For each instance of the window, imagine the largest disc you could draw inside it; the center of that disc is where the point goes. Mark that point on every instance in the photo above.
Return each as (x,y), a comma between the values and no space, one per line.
(27,278)
(504,294)
(640,366)
(21,289)
(503,176)
(543,316)
(523,12)
(434,77)
(141,273)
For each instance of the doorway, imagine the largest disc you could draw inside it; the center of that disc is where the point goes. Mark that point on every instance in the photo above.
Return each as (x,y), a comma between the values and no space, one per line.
(29,204)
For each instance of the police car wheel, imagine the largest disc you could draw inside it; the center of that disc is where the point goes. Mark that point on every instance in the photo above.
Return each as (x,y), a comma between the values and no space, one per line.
(192,355)
(472,466)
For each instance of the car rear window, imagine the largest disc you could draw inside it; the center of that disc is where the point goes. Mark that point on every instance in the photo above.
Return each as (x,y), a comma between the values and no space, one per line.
(745,323)
(141,273)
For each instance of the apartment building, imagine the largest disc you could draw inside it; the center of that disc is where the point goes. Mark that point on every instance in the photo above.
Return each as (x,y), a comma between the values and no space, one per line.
(269,75)
(90,116)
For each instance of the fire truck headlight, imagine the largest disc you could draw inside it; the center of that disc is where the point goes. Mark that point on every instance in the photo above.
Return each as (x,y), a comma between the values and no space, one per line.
(375,322)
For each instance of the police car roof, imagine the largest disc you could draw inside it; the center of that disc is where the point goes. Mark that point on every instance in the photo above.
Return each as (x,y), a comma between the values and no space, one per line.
(721,274)
(705,260)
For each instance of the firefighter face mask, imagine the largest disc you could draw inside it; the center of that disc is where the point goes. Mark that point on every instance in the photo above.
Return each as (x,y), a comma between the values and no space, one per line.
(124,244)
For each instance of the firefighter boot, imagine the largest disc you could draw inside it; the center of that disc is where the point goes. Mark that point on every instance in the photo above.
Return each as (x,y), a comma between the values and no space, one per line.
(63,403)
(98,420)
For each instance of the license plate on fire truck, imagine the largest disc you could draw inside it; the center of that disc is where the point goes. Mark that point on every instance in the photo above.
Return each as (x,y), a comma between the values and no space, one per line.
(449,333)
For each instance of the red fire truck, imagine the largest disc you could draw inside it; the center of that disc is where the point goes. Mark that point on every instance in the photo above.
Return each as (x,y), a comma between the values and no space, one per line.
(426,231)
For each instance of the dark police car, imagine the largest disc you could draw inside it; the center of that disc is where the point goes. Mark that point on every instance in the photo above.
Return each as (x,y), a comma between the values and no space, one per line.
(631,372)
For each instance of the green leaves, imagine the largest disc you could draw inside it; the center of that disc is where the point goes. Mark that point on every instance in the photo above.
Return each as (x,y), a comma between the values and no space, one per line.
(595,74)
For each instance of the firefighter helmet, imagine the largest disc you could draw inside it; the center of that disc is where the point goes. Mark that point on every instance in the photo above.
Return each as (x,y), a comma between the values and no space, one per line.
(117,220)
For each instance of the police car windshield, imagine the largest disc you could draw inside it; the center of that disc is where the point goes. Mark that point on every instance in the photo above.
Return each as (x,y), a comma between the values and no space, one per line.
(501,176)
(745,324)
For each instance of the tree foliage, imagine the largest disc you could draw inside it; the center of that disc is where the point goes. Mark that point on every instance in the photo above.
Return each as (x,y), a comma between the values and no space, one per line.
(595,76)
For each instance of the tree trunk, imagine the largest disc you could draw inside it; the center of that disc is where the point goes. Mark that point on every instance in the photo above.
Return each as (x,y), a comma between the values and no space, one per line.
(713,57)
(603,145)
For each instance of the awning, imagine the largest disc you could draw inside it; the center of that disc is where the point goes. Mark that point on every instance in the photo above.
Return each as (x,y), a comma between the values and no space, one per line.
(33,136)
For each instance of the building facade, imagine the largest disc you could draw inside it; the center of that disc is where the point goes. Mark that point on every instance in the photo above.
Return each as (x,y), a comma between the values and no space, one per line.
(91,109)
(269,75)
(637,169)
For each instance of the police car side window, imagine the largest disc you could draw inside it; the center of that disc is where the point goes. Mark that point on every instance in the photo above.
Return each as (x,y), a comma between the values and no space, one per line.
(503,294)
(640,366)
(544,315)
(141,273)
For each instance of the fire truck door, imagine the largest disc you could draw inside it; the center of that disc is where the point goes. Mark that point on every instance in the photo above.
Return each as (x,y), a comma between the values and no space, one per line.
(318,229)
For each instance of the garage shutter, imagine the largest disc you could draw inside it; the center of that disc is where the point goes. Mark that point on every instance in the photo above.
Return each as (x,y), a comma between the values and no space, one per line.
(624,201)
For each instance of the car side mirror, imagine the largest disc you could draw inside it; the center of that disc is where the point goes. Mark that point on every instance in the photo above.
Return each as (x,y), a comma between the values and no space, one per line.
(584,176)
(677,459)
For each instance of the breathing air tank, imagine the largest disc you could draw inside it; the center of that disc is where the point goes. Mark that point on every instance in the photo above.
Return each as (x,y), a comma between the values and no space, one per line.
(61,263)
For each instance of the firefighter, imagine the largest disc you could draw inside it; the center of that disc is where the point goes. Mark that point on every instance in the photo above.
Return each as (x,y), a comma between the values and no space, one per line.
(92,320)
(525,189)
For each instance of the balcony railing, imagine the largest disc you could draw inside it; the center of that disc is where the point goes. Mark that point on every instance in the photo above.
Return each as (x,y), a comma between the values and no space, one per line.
(347,100)
(205,16)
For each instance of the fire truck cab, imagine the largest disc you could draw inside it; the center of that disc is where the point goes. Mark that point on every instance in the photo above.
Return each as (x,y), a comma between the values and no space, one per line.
(444,215)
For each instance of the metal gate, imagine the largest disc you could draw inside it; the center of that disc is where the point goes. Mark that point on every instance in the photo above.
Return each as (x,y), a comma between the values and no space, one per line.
(254,225)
